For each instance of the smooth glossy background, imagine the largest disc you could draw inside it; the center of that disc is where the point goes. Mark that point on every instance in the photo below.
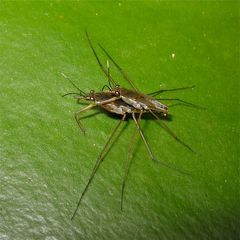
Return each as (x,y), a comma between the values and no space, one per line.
(45,161)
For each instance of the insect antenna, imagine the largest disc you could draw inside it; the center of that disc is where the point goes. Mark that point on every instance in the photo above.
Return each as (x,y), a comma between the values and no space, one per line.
(119,68)
(70,93)
(82,93)
(110,79)
(169,90)
(97,164)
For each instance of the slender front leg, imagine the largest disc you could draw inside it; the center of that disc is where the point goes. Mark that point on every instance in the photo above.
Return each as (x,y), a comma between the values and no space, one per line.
(107,101)
(79,112)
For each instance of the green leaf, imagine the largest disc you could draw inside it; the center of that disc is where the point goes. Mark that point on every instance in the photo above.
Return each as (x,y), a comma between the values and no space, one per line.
(45,161)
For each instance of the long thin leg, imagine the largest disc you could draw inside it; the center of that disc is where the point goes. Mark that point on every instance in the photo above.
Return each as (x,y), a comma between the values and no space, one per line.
(80,91)
(142,135)
(128,163)
(179,104)
(79,112)
(170,166)
(89,107)
(169,131)
(182,101)
(119,68)
(97,164)
(170,90)
(110,79)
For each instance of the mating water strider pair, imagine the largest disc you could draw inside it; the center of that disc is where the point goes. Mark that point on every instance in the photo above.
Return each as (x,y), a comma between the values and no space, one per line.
(122,101)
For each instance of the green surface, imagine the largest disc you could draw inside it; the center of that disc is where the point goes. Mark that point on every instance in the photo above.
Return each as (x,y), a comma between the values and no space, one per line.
(45,161)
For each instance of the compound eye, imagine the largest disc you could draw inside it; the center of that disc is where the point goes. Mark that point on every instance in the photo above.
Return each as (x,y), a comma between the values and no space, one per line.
(92,98)
(117,93)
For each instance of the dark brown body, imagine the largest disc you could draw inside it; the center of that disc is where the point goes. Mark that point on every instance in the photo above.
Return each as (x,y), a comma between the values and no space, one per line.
(109,101)
(139,100)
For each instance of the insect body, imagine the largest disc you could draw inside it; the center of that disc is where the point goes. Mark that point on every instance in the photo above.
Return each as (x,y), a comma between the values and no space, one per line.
(109,102)
(105,100)
(139,100)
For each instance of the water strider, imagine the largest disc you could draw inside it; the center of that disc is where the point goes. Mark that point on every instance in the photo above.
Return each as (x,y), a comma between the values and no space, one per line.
(108,101)
(145,103)
(123,102)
